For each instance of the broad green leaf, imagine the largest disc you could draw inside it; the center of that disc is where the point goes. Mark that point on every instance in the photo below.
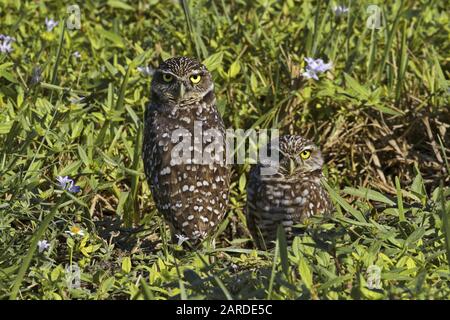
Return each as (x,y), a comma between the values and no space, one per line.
(234,69)
(70,169)
(213,61)
(368,194)
(5,127)
(362,92)
(111,36)
(305,273)
(387,110)
(415,236)
(107,284)
(253,83)
(119,5)
(242,183)
(126,264)
(83,155)
(8,76)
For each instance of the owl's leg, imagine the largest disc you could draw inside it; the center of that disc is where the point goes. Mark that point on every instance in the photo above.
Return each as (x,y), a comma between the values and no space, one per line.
(213,247)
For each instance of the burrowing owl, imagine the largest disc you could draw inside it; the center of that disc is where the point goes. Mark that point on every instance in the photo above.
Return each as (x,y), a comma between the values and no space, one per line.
(188,178)
(290,195)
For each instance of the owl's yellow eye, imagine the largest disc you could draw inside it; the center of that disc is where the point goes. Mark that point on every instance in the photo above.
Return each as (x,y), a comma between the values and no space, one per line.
(195,78)
(167,77)
(305,154)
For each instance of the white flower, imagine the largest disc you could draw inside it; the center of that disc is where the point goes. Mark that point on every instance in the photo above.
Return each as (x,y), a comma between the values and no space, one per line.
(43,245)
(67,184)
(76,54)
(146,71)
(75,231)
(310,74)
(318,65)
(340,10)
(5,43)
(64,181)
(314,67)
(181,239)
(50,24)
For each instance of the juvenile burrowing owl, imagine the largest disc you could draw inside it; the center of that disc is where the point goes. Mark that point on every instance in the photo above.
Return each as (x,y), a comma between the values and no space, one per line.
(288,196)
(183,149)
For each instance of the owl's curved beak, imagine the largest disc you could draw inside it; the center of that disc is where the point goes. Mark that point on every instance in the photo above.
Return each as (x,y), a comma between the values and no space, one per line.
(292,166)
(181,91)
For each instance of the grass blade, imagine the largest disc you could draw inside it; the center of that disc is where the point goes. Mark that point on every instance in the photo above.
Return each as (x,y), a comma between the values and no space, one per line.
(58,53)
(390,40)
(282,247)
(274,270)
(445,211)
(401,211)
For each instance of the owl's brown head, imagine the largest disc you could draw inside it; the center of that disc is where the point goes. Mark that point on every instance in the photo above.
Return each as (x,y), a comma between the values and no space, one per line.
(298,156)
(181,81)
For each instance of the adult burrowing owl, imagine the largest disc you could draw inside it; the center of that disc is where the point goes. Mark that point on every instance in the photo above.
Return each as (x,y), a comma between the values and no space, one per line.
(189,180)
(290,195)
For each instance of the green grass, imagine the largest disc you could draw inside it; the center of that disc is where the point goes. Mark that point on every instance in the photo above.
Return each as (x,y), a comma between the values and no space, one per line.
(380,116)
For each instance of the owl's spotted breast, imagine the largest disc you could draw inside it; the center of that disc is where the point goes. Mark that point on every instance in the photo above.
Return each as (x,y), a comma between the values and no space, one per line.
(192,196)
